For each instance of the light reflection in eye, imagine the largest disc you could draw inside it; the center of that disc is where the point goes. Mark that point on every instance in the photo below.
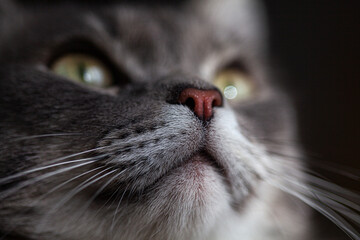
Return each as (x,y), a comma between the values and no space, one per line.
(93,76)
(230,92)
(83,68)
(235,85)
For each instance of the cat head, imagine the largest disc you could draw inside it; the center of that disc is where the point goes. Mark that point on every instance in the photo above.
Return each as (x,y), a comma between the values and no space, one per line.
(126,120)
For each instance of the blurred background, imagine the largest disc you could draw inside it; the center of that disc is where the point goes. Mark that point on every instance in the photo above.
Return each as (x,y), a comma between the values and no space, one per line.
(317,43)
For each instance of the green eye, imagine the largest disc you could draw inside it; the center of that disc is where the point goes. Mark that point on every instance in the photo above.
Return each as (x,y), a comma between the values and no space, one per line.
(84,69)
(234,84)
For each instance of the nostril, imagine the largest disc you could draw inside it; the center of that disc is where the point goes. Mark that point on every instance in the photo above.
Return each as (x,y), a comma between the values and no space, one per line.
(217,102)
(213,104)
(190,103)
(201,102)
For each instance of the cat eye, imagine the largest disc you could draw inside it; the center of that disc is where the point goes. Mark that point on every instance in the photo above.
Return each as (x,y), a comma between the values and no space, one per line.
(235,85)
(83,68)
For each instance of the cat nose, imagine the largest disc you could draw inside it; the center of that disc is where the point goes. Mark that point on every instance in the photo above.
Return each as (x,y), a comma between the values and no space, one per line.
(201,102)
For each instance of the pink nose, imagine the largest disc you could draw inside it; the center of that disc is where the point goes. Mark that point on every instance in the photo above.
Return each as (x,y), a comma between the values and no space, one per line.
(201,101)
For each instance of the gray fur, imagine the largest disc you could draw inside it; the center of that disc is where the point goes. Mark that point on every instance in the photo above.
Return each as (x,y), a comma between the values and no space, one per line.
(132,177)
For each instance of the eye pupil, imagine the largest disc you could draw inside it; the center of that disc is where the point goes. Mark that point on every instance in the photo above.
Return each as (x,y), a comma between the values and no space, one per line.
(81,70)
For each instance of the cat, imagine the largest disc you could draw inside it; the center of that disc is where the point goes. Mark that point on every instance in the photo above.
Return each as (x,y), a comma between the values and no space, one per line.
(131,120)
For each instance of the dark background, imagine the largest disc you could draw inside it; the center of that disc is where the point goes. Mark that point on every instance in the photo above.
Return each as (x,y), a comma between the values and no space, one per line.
(317,43)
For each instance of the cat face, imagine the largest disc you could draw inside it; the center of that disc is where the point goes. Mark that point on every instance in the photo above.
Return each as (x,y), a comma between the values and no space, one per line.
(149,156)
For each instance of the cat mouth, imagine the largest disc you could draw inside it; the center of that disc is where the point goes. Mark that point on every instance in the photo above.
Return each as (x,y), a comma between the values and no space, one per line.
(194,165)
(200,163)
(204,157)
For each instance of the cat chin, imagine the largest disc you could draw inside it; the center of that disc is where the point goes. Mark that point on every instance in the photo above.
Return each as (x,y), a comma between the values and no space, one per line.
(195,183)
(184,204)
(192,202)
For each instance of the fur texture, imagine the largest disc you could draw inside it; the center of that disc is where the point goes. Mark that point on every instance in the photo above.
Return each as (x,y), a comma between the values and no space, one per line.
(79,163)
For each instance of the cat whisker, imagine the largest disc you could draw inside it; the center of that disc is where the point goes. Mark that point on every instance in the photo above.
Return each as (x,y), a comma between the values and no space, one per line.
(326,195)
(42,177)
(93,179)
(119,144)
(331,186)
(68,181)
(113,222)
(314,182)
(34,203)
(278,142)
(87,204)
(341,170)
(82,186)
(75,154)
(27,172)
(44,136)
(327,212)
(112,195)
(339,205)
(330,205)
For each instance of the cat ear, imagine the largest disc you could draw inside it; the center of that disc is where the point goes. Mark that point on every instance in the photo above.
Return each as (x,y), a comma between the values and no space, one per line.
(244,18)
